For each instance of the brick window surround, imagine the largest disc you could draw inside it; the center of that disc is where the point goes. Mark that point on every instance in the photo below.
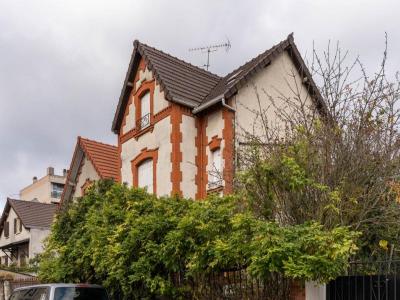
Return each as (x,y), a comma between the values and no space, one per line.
(145,154)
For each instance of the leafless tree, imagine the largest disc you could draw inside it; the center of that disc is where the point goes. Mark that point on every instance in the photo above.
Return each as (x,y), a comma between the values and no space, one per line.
(337,163)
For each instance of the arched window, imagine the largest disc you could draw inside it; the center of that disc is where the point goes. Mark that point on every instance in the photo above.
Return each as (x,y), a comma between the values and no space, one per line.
(145,175)
(215,169)
(144,117)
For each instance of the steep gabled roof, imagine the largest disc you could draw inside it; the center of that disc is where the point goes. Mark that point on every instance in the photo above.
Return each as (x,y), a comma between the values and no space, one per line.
(196,88)
(181,82)
(32,214)
(231,83)
(104,158)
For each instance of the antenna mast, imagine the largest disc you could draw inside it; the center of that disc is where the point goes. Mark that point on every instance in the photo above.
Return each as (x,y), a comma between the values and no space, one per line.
(212,48)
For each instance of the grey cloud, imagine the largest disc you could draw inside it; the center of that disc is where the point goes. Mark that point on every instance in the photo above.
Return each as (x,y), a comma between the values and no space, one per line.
(62,63)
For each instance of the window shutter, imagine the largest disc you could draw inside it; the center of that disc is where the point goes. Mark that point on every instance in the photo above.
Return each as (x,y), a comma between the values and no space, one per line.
(20,225)
(6,229)
(15,226)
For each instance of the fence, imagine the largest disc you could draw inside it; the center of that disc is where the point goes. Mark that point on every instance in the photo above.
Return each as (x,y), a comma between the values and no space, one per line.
(378,280)
(237,284)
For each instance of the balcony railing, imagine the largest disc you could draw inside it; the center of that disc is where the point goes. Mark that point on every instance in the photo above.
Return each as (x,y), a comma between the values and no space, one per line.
(143,122)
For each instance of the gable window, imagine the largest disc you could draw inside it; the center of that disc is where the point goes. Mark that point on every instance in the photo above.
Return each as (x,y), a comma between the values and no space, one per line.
(215,171)
(7,229)
(144,117)
(56,190)
(145,175)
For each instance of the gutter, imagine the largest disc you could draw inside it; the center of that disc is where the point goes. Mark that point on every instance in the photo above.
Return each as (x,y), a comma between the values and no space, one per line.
(213,101)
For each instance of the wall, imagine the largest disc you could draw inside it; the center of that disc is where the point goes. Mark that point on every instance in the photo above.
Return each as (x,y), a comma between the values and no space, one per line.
(315,291)
(158,99)
(41,189)
(189,152)
(36,242)
(24,234)
(87,172)
(274,80)
(215,125)
(12,238)
(159,139)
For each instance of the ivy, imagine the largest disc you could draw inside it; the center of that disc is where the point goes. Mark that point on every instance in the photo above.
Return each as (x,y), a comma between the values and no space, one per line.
(133,242)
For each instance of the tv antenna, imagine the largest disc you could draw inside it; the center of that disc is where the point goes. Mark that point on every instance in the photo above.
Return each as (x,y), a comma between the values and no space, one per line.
(212,48)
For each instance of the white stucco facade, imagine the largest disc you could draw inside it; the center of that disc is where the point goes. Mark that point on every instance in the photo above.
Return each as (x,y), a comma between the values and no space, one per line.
(158,139)
(87,172)
(271,84)
(28,241)
(189,152)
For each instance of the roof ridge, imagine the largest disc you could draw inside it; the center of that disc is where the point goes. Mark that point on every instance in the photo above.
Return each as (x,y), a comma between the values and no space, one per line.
(137,42)
(30,201)
(241,70)
(102,143)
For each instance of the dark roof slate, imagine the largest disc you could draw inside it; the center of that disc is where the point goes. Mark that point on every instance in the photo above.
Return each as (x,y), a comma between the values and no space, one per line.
(34,214)
(194,87)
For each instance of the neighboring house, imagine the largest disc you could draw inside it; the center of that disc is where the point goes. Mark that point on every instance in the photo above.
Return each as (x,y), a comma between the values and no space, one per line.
(91,161)
(47,189)
(23,227)
(179,126)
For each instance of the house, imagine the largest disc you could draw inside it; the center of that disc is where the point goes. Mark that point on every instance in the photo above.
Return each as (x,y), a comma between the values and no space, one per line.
(179,126)
(47,189)
(23,227)
(91,161)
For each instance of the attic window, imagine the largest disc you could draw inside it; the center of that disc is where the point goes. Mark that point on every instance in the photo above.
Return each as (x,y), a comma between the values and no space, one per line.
(144,117)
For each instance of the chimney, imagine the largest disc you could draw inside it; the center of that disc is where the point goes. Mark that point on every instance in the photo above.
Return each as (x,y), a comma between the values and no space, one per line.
(64,172)
(50,171)
(34,179)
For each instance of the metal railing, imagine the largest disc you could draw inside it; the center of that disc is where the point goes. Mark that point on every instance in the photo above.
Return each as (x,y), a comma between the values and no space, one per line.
(375,280)
(143,122)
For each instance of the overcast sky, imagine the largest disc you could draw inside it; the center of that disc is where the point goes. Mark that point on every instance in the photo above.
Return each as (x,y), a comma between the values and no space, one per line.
(62,63)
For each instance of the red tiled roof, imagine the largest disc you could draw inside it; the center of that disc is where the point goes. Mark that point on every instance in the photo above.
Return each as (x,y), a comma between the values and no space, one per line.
(104,157)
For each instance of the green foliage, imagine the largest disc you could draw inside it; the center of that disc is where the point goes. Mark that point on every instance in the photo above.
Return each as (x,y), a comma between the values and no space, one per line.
(134,243)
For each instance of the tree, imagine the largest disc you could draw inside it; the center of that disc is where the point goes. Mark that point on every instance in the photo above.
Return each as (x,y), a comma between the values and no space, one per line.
(135,243)
(337,164)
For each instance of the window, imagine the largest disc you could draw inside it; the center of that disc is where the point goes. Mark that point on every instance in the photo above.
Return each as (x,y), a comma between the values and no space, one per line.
(56,190)
(7,229)
(17,225)
(215,171)
(144,118)
(145,175)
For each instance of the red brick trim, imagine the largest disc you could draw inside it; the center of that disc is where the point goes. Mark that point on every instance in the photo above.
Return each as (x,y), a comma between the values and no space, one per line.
(134,133)
(142,156)
(147,86)
(201,160)
(228,151)
(176,154)
(215,143)
(141,67)
(85,186)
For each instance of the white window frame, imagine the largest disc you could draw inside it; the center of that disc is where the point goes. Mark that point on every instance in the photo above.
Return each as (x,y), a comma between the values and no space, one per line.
(145,173)
(215,169)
